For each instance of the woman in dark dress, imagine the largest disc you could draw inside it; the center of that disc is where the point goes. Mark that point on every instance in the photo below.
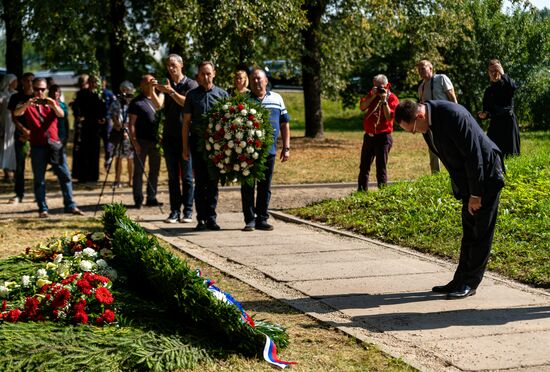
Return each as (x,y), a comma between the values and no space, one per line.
(498,106)
(89,114)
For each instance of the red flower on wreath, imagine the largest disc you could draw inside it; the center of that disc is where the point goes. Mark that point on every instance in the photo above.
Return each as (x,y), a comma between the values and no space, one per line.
(13,315)
(81,317)
(31,307)
(84,286)
(103,295)
(256,125)
(108,316)
(69,279)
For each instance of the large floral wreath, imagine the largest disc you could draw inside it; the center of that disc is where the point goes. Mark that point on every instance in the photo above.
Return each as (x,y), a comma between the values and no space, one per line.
(238,139)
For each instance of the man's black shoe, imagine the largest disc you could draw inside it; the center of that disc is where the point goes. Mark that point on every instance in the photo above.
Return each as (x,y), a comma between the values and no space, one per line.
(173,217)
(212,225)
(461,292)
(447,288)
(154,203)
(264,226)
(201,226)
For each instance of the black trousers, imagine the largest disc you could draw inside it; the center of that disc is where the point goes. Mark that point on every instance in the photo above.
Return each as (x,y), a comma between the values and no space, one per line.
(377,146)
(206,187)
(477,237)
(258,212)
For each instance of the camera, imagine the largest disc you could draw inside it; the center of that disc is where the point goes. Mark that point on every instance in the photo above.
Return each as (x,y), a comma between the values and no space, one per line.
(380,90)
(40,101)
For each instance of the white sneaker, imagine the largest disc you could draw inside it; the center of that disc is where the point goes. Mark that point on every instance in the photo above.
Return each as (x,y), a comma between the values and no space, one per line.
(186,220)
(14,200)
(173,217)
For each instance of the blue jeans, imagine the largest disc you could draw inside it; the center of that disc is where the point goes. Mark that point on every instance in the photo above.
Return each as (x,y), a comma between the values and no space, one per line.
(180,194)
(39,161)
(258,213)
(148,150)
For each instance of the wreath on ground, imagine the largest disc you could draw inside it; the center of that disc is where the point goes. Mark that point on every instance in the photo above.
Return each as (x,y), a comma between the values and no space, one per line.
(238,138)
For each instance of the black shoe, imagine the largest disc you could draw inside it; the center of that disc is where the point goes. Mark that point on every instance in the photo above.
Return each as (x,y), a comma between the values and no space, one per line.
(201,226)
(264,226)
(212,225)
(248,227)
(462,291)
(154,203)
(138,206)
(173,217)
(447,288)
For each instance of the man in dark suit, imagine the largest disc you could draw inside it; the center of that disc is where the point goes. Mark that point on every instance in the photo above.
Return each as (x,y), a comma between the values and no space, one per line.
(475,166)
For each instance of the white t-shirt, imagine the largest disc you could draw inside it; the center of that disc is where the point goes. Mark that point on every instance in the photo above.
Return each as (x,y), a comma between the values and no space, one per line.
(440,84)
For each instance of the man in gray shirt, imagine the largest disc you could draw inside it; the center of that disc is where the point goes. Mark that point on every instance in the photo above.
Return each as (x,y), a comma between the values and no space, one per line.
(432,87)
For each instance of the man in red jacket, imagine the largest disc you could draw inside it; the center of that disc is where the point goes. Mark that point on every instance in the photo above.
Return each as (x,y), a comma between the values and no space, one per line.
(379,106)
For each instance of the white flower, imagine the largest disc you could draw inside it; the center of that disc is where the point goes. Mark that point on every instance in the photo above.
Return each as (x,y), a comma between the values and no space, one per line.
(227,136)
(242,144)
(244,164)
(210,125)
(236,167)
(58,259)
(26,281)
(227,115)
(228,152)
(101,263)
(244,112)
(238,150)
(90,252)
(231,144)
(239,135)
(4,291)
(255,156)
(106,253)
(225,107)
(237,121)
(77,254)
(41,273)
(217,146)
(211,139)
(220,165)
(253,111)
(218,127)
(259,133)
(227,160)
(222,171)
(86,265)
(208,146)
(249,124)
(246,172)
(251,133)
(250,149)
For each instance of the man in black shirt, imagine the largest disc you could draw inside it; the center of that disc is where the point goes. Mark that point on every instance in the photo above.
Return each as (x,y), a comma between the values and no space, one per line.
(197,103)
(174,92)
(22,134)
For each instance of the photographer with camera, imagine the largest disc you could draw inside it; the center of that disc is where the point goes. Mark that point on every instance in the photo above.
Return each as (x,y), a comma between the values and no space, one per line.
(41,113)
(379,106)
(119,139)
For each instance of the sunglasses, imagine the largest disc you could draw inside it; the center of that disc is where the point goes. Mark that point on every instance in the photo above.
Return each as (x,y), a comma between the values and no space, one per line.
(39,89)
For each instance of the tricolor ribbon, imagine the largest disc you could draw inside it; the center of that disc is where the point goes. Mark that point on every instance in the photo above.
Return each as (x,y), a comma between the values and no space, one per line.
(270,350)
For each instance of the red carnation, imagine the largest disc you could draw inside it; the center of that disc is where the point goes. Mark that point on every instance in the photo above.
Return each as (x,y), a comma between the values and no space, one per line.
(99,321)
(89,243)
(232,109)
(31,307)
(80,306)
(250,141)
(84,286)
(103,295)
(69,279)
(258,143)
(61,298)
(13,315)
(240,107)
(81,317)
(256,125)
(109,316)
(242,157)
(251,117)
(4,305)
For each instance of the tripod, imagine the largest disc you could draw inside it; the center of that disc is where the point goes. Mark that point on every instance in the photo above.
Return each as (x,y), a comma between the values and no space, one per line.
(141,164)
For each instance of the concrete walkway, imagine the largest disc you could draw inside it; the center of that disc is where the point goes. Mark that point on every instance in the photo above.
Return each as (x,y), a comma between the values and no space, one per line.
(378,293)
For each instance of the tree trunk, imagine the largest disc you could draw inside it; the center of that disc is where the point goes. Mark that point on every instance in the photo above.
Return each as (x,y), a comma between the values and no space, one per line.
(12,16)
(117,39)
(311,68)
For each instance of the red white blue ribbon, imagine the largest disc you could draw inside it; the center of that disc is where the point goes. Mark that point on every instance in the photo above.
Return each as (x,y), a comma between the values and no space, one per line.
(270,350)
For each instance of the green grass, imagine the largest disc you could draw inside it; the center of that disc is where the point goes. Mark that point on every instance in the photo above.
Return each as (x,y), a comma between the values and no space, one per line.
(424,215)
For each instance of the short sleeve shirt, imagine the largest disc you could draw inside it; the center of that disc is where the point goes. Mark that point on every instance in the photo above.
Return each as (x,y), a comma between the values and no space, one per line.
(173,111)
(198,102)
(42,122)
(277,114)
(145,124)
(435,88)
